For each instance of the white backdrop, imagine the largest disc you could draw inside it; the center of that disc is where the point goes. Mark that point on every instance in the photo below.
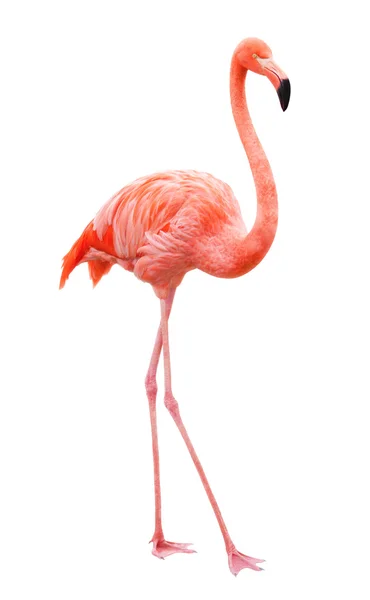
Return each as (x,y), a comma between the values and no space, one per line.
(271,370)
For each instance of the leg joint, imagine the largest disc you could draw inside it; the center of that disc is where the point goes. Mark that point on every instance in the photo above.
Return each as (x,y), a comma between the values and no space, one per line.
(171,404)
(151,387)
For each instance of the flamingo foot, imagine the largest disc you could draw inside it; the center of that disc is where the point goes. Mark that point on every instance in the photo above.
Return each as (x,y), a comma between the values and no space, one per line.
(239,561)
(162,548)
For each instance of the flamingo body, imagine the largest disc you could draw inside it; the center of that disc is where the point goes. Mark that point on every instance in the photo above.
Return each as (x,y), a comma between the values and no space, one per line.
(160,227)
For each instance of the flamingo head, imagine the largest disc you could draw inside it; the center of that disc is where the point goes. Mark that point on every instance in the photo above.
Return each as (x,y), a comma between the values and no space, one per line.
(253,54)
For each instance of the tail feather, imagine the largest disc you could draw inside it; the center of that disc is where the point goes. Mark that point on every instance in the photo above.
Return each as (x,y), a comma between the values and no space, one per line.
(84,249)
(74,256)
(98,268)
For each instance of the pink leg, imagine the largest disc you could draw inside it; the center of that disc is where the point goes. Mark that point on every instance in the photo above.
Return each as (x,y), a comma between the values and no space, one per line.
(237,560)
(161,547)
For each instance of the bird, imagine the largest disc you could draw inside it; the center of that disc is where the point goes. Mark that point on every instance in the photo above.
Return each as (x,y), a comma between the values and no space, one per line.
(166,224)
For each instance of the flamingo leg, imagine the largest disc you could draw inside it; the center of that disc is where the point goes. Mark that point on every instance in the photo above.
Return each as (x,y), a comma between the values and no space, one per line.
(237,560)
(161,548)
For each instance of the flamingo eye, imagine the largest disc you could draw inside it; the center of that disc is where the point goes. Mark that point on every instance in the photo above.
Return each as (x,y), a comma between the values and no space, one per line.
(254,55)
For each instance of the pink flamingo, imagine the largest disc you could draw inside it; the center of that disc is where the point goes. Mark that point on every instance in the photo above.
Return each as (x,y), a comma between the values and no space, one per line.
(164,225)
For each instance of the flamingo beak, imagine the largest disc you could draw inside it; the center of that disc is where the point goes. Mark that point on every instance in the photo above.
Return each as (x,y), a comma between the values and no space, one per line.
(283,92)
(278,79)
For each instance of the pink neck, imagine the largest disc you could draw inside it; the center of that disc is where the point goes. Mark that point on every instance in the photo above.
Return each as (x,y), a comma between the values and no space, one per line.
(257,243)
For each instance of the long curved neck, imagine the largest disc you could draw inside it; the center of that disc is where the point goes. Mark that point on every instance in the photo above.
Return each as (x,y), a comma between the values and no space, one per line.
(258,241)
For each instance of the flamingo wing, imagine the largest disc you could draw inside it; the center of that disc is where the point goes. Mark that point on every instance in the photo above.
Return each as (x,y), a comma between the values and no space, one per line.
(150,225)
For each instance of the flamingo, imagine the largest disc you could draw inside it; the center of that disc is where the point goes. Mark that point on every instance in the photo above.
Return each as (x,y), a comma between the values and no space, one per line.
(161,226)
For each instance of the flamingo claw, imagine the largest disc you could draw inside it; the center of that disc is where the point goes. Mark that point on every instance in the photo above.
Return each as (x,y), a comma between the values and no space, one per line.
(239,561)
(162,548)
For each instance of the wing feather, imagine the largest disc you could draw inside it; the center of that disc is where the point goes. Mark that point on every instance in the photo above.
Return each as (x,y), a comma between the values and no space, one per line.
(166,210)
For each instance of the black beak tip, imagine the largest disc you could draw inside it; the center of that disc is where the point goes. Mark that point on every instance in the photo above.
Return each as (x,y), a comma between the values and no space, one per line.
(284,93)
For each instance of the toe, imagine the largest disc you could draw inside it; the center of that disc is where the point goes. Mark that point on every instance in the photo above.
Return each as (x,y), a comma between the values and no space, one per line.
(239,561)
(162,548)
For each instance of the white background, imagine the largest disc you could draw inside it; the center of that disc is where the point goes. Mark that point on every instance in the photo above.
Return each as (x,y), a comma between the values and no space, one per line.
(271,370)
